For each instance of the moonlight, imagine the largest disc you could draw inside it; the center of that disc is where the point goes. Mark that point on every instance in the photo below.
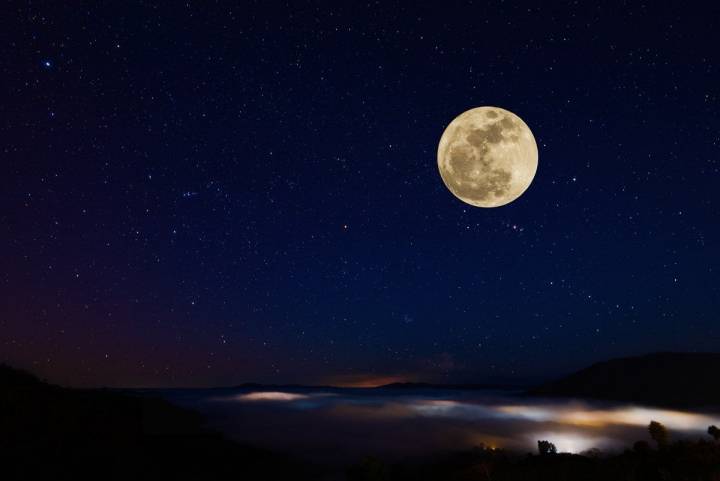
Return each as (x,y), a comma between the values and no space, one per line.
(487,157)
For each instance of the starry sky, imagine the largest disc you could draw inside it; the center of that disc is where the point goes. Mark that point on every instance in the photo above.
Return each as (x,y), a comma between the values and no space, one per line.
(207,193)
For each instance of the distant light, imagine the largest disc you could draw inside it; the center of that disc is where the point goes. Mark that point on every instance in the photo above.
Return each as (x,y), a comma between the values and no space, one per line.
(47,63)
(569,442)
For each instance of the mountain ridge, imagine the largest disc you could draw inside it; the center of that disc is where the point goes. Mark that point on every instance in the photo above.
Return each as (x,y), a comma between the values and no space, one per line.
(677,379)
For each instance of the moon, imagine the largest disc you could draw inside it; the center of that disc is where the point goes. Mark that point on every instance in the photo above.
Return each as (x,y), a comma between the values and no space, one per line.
(487,157)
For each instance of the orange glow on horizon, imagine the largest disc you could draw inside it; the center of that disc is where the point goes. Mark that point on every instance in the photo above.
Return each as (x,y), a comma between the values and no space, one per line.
(366,380)
(597,418)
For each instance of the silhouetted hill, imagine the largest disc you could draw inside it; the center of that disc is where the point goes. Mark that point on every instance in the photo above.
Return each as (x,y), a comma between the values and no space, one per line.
(50,432)
(426,385)
(668,379)
(257,385)
(14,378)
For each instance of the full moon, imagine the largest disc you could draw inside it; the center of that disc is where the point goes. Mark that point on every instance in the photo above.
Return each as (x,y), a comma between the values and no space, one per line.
(487,157)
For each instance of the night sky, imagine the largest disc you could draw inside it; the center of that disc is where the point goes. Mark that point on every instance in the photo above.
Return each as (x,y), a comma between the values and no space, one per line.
(207,193)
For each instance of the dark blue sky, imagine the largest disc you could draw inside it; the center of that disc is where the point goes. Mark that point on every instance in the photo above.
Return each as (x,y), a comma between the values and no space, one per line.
(203,193)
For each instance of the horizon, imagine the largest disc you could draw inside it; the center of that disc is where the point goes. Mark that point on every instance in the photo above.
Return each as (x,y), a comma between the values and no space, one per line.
(372,382)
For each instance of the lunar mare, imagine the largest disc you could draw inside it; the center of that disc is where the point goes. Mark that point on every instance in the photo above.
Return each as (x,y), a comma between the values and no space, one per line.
(487,157)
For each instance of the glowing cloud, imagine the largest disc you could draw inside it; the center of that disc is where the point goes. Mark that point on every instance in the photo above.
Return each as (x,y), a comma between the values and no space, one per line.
(633,416)
(274,396)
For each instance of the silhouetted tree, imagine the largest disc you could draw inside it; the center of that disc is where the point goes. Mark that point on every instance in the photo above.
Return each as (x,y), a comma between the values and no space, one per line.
(714,432)
(546,447)
(594,453)
(641,447)
(371,469)
(658,433)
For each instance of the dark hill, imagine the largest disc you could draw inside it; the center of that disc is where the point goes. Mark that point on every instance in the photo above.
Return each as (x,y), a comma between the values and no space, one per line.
(51,432)
(461,387)
(664,379)
(15,379)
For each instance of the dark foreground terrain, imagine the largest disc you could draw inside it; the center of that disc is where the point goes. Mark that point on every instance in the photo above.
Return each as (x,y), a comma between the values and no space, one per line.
(682,461)
(50,432)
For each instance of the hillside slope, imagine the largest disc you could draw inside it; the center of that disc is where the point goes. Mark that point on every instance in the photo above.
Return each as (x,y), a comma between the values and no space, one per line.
(667,379)
(50,432)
